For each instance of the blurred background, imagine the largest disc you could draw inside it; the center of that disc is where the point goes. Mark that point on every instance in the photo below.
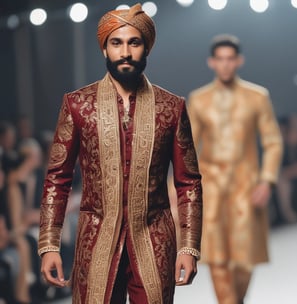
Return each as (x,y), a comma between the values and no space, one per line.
(45,53)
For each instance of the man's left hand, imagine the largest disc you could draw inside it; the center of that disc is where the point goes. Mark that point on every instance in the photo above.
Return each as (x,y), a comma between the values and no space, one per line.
(188,264)
(261,194)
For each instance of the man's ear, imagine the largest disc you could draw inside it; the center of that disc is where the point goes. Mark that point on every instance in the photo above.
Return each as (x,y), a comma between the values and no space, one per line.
(104,52)
(241,61)
(210,62)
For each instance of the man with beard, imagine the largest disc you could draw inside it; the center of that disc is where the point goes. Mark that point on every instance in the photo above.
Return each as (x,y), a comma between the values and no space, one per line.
(226,116)
(125,132)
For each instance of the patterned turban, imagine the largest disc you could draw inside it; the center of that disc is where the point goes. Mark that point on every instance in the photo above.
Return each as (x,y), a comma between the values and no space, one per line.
(135,17)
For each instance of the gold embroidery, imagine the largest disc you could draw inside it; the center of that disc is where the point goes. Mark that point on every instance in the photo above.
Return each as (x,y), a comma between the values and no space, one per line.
(163,237)
(85,102)
(48,249)
(58,155)
(191,195)
(226,128)
(88,227)
(65,125)
(126,118)
(185,142)
(190,160)
(49,239)
(142,149)
(110,160)
(51,193)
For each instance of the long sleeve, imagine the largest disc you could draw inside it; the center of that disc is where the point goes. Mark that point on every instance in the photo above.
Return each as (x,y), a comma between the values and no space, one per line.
(271,141)
(195,121)
(187,182)
(58,181)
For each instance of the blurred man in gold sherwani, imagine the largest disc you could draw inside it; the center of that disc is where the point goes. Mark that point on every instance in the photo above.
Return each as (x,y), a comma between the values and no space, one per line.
(227,115)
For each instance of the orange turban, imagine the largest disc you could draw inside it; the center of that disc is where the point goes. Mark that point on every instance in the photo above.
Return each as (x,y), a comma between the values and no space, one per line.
(135,17)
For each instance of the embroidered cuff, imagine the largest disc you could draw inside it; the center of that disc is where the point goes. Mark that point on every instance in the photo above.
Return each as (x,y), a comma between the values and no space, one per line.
(48,249)
(190,251)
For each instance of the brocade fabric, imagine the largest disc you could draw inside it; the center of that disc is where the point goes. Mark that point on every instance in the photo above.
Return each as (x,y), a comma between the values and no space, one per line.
(226,124)
(113,211)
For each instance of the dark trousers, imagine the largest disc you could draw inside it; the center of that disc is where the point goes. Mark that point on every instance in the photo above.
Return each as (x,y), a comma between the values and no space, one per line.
(128,281)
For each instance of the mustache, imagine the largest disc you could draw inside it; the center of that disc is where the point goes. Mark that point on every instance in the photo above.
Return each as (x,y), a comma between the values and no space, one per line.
(130,61)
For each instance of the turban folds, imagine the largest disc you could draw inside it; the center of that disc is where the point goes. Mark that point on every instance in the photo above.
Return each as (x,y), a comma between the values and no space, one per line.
(135,17)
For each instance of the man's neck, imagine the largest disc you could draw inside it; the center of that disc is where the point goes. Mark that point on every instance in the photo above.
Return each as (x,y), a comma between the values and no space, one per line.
(227,84)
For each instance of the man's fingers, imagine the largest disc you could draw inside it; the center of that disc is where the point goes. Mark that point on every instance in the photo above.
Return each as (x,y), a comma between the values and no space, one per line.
(49,278)
(52,271)
(192,276)
(187,276)
(178,273)
(186,269)
(183,277)
(60,273)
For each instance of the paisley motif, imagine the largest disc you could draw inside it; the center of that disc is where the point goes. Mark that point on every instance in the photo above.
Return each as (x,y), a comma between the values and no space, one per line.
(58,155)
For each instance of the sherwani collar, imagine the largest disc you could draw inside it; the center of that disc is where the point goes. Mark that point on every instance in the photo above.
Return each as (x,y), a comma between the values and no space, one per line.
(219,86)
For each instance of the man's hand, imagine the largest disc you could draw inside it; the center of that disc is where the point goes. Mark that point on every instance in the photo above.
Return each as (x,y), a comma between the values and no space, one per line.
(261,194)
(188,264)
(52,261)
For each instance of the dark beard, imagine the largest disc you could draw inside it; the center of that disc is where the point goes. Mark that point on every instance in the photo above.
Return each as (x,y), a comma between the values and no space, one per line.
(125,77)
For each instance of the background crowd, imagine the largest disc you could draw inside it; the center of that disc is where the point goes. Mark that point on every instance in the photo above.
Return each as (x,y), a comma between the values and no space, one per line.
(23,155)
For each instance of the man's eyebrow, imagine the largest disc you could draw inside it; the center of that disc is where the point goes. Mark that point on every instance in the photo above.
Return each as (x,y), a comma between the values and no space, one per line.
(131,38)
(115,38)
(136,37)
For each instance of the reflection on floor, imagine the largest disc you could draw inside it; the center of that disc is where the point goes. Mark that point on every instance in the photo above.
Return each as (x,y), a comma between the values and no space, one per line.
(273,283)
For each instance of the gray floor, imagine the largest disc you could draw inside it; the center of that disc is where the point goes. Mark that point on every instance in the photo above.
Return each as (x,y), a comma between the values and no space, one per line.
(274,283)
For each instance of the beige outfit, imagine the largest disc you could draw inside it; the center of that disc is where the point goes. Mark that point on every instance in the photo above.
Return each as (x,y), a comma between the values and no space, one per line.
(225,124)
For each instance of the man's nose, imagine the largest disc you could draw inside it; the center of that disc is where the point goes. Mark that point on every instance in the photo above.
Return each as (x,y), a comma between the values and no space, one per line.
(126,53)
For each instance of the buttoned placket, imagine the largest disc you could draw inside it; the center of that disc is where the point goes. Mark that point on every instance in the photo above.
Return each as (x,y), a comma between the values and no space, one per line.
(126,146)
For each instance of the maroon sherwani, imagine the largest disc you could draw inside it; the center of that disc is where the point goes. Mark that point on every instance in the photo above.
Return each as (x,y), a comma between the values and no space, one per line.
(125,203)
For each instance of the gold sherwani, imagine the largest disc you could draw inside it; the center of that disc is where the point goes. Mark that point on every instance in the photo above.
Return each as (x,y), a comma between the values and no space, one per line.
(89,127)
(225,125)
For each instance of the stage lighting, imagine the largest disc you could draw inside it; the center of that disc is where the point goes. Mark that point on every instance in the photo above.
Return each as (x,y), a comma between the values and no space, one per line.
(122,6)
(13,22)
(259,6)
(150,8)
(185,2)
(294,3)
(78,12)
(217,4)
(38,16)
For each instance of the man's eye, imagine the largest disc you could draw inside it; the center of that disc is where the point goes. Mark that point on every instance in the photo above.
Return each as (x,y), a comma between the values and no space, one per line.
(115,43)
(135,43)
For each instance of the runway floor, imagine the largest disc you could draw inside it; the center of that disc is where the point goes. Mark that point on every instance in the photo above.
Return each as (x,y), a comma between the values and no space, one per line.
(273,283)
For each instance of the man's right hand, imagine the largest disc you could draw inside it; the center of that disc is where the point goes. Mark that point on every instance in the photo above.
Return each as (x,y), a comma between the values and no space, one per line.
(52,261)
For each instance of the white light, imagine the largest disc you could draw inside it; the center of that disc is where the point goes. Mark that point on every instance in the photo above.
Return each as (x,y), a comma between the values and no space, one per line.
(13,22)
(259,6)
(78,12)
(294,3)
(150,8)
(38,16)
(217,4)
(185,2)
(122,7)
